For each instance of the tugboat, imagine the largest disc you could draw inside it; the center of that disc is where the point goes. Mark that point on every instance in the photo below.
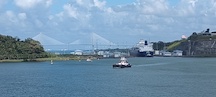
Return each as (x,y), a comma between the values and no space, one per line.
(122,64)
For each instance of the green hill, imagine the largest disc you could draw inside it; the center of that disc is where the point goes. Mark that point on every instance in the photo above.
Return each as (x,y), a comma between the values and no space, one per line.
(174,45)
(13,48)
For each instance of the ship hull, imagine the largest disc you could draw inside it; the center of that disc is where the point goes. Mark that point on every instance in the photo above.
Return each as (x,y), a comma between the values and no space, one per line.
(121,66)
(141,54)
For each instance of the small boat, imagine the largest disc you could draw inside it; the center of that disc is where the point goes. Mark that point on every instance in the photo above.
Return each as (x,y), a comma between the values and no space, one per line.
(89,59)
(122,64)
(51,61)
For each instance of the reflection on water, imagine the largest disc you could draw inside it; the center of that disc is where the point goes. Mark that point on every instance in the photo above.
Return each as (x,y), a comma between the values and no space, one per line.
(148,77)
(154,64)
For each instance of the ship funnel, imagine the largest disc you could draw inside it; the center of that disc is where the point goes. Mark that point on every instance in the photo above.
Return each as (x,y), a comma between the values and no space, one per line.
(146,43)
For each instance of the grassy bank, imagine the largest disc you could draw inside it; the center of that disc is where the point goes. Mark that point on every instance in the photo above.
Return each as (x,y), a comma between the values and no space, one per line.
(56,58)
(10,61)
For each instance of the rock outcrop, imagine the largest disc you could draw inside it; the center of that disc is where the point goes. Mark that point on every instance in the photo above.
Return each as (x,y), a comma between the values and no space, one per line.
(198,47)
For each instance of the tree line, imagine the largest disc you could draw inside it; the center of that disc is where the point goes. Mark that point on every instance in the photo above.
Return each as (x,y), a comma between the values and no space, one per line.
(15,48)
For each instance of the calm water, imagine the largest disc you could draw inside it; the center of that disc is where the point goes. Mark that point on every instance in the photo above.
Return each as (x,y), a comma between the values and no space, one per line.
(148,77)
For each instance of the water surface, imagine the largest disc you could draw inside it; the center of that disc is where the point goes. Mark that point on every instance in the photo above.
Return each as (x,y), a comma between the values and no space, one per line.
(148,77)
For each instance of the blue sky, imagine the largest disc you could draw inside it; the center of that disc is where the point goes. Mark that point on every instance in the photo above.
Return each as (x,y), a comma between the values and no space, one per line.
(119,21)
(123,2)
(119,2)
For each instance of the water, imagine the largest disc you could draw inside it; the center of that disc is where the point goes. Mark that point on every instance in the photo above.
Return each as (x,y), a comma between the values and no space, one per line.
(148,77)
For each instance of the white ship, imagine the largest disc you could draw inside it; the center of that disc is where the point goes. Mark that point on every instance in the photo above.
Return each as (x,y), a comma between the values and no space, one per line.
(142,49)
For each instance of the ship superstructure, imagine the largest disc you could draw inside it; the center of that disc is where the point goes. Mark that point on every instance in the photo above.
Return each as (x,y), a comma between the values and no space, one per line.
(142,49)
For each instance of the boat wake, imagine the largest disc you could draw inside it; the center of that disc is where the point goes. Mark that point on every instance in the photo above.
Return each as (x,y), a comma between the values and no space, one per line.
(155,64)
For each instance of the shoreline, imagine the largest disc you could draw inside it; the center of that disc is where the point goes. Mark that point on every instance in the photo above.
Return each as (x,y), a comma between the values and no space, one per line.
(10,61)
(78,58)
(47,59)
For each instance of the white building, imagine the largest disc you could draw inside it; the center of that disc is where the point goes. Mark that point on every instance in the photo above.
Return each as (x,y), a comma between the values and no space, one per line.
(106,54)
(167,54)
(78,52)
(117,54)
(157,52)
(213,33)
(177,53)
(100,52)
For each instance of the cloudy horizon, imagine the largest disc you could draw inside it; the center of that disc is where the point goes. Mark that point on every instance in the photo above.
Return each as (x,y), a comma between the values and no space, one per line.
(118,21)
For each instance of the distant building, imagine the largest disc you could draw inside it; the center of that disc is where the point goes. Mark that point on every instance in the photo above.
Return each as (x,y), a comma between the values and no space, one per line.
(117,54)
(78,52)
(88,52)
(73,53)
(206,33)
(167,54)
(177,53)
(100,53)
(213,33)
(106,54)
(157,52)
(184,37)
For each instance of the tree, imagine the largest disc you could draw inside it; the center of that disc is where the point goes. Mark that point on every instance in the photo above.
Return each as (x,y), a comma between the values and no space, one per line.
(13,48)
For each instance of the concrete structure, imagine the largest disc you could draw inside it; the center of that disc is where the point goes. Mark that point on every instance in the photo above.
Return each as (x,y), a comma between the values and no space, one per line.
(177,53)
(117,54)
(167,54)
(213,33)
(100,53)
(157,53)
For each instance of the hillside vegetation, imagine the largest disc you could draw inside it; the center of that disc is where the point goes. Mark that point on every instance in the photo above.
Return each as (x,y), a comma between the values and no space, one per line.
(14,48)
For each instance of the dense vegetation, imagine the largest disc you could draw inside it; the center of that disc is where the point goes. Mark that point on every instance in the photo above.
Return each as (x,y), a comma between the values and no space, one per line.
(14,48)
(169,46)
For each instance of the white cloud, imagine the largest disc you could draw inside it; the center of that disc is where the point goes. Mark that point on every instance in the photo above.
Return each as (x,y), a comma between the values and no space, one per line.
(152,6)
(109,10)
(99,4)
(80,2)
(11,16)
(26,4)
(22,16)
(48,3)
(186,8)
(192,2)
(70,10)
(85,3)
(141,19)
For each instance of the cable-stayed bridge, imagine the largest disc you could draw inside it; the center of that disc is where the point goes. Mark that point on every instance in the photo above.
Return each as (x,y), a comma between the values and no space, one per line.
(87,42)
